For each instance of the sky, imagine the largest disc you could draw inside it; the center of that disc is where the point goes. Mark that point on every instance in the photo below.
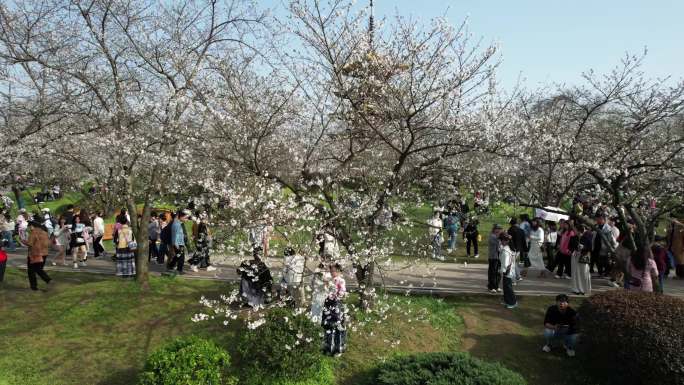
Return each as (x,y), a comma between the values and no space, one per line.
(553,41)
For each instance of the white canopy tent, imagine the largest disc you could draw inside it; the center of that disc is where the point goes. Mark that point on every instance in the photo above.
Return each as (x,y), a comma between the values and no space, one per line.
(552,214)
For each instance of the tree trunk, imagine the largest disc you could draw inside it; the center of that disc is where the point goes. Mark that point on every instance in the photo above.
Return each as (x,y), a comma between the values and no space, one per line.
(142,273)
(364,276)
(17,196)
(140,230)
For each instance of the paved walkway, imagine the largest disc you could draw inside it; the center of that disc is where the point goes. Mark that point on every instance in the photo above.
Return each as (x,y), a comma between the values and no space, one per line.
(431,277)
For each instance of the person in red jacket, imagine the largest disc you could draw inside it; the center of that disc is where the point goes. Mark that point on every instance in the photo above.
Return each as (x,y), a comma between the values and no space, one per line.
(3,259)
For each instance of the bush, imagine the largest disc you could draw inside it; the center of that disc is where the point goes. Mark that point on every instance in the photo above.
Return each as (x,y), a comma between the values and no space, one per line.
(187,361)
(634,337)
(323,375)
(444,369)
(285,347)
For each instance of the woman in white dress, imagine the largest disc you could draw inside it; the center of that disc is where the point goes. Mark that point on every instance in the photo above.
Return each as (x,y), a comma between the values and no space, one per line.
(320,286)
(535,255)
(581,256)
(293,273)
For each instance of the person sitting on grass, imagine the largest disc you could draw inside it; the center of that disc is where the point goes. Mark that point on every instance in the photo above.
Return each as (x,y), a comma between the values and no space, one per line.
(560,321)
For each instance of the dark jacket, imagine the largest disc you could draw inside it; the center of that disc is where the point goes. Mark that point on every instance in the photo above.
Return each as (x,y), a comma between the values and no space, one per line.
(470,231)
(518,240)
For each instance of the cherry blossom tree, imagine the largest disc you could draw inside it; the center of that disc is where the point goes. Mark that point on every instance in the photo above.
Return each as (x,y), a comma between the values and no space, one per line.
(127,70)
(348,122)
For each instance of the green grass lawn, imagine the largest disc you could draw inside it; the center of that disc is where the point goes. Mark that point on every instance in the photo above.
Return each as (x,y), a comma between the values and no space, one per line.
(92,329)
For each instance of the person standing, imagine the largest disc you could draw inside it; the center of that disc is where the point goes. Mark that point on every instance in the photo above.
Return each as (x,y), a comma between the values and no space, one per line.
(604,245)
(125,256)
(451,224)
(38,244)
(642,269)
(471,233)
(507,258)
(661,260)
(581,257)
(675,245)
(78,243)
(564,252)
(22,226)
(98,233)
(526,227)
(164,238)
(435,232)
(200,259)
(259,236)
(153,231)
(516,244)
(334,316)
(178,244)
(3,259)
(550,240)
(320,284)
(535,255)
(494,274)
(62,236)
(293,274)
(7,228)
(47,221)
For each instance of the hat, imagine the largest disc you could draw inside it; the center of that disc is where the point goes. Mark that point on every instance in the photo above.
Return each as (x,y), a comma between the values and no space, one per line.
(46,210)
(22,210)
(659,238)
(497,227)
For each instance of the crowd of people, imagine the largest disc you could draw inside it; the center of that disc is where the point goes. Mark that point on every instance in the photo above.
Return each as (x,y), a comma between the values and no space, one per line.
(564,249)
(77,235)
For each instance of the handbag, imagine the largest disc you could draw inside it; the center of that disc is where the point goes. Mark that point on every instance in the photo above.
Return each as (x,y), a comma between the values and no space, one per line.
(132,245)
(584,259)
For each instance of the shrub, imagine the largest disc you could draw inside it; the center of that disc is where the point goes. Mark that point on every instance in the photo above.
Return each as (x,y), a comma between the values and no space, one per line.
(634,337)
(444,369)
(285,347)
(187,361)
(322,375)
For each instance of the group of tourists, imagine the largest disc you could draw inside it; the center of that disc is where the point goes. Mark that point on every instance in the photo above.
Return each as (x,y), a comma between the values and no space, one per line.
(451,218)
(327,284)
(79,235)
(572,252)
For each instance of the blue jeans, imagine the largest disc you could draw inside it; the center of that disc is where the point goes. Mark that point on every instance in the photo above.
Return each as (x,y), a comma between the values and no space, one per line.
(570,340)
(452,238)
(7,235)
